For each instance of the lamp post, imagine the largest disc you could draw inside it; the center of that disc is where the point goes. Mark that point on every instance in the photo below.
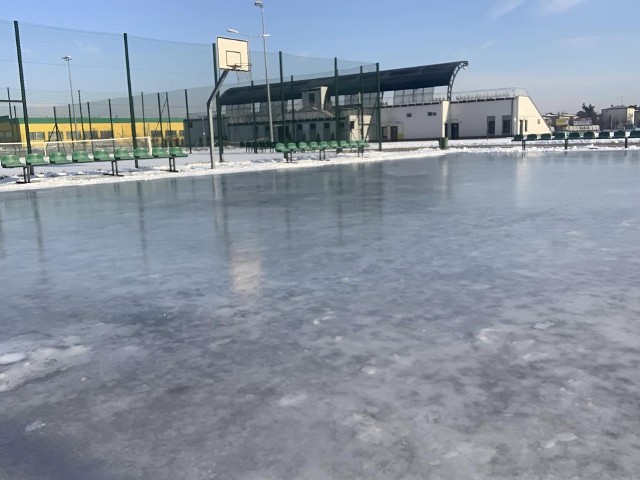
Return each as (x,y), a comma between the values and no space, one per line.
(258,3)
(67,59)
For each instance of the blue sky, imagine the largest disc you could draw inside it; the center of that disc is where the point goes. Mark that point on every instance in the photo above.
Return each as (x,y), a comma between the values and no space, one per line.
(564,52)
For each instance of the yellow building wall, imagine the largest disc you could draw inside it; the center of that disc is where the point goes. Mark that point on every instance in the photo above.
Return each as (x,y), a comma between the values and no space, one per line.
(46,132)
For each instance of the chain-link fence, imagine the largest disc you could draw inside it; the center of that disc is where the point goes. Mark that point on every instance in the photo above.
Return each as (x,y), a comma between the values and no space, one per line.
(86,87)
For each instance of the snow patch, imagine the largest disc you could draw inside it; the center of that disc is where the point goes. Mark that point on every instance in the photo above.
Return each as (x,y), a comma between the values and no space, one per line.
(369,370)
(11,358)
(292,400)
(42,363)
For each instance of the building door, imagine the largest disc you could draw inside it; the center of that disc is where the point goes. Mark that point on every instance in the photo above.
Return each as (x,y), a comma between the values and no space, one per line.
(394,133)
(455,131)
(446,130)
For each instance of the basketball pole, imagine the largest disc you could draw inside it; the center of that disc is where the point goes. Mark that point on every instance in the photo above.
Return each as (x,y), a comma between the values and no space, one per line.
(210,112)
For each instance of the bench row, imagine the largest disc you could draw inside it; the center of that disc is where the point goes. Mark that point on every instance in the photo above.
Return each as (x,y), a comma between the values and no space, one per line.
(101,155)
(321,147)
(620,134)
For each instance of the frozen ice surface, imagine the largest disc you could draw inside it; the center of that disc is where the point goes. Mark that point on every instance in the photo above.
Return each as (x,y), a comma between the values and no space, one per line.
(456,317)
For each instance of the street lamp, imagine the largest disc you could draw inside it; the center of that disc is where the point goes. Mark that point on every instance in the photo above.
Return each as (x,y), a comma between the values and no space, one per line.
(67,59)
(258,3)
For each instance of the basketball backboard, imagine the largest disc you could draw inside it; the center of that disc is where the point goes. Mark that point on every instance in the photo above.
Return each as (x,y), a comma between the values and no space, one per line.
(233,54)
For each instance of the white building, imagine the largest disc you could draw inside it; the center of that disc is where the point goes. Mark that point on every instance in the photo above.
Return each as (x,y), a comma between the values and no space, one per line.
(410,108)
(617,117)
(485,114)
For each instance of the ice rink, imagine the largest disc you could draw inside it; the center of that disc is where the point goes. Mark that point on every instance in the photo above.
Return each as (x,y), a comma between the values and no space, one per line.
(465,316)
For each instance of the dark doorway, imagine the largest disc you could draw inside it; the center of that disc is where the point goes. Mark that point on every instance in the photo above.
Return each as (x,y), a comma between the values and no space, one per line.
(394,133)
(455,131)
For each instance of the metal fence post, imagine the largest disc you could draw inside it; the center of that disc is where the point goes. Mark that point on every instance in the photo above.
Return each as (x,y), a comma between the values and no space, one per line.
(22,88)
(73,140)
(131,109)
(113,135)
(170,142)
(253,111)
(186,102)
(361,104)
(282,105)
(379,109)
(337,101)
(218,108)
(161,127)
(81,117)
(144,121)
(293,114)
(90,125)
(55,120)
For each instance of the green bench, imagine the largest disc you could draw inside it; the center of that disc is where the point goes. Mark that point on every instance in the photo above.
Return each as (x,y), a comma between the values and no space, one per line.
(59,158)
(532,137)
(589,135)
(142,153)
(81,157)
(604,135)
(13,161)
(546,136)
(635,134)
(162,152)
(620,134)
(31,160)
(320,148)
(560,136)
(303,147)
(282,148)
(574,136)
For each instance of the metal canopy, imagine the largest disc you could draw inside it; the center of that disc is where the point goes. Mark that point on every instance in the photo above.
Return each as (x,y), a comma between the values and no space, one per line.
(426,76)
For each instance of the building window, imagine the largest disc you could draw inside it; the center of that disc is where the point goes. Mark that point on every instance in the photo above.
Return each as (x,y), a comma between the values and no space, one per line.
(491,125)
(431,114)
(312,98)
(506,125)
(526,125)
(105,134)
(409,115)
(36,135)
(352,125)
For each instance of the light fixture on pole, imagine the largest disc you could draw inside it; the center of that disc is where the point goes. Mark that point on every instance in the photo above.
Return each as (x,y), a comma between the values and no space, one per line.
(258,3)
(67,59)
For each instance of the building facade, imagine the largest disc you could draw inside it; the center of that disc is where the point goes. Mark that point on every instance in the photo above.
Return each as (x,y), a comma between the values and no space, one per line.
(409,109)
(45,129)
(617,117)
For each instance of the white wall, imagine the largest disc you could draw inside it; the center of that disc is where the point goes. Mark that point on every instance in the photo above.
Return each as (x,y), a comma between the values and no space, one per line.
(528,113)
(420,125)
(473,117)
